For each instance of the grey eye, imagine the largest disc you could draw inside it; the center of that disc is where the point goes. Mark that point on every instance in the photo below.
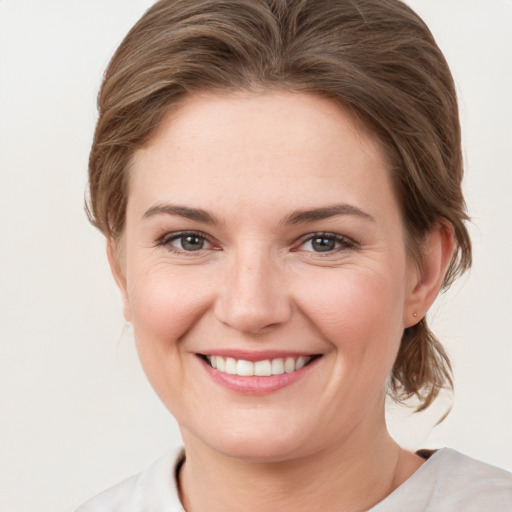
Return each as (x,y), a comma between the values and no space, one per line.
(186,241)
(323,244)
(326,242)
(190,242)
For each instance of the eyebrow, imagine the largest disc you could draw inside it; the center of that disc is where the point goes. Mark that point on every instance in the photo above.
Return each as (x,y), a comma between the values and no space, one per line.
(182,211)
(296,217)
(314,214)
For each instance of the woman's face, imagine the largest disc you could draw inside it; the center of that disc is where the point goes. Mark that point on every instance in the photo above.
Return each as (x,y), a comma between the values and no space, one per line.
(263,234)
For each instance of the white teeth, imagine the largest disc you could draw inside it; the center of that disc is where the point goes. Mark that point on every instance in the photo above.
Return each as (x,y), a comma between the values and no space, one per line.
(277,366)
(263,368)
(221,363)
(245,368)
(301,361)
(230,365)
(289,365)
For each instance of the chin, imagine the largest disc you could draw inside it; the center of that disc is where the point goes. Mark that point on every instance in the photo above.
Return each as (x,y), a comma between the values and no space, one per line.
(254,443)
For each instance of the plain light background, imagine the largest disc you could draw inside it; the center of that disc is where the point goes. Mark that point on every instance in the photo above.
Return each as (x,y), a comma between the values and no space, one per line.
(77,414)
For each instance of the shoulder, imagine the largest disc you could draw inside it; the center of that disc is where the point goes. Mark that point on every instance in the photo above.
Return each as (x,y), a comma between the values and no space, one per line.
(469,469)
(152,489)
(450,481)
(472,483)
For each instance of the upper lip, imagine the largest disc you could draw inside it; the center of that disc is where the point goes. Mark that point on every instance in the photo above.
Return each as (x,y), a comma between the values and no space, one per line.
(256,355)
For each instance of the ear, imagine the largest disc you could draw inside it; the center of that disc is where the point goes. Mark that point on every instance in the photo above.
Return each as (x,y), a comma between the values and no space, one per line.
(427,279)
(114,256)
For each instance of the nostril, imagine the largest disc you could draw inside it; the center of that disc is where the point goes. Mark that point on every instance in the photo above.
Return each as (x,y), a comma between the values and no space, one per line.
(252,316)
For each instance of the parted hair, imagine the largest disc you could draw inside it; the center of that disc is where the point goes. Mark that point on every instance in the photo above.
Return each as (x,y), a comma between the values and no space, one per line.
(375,58)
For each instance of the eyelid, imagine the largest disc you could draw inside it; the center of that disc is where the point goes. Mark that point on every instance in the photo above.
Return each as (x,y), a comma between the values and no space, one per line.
(169,236)
(166,238)
(347,243)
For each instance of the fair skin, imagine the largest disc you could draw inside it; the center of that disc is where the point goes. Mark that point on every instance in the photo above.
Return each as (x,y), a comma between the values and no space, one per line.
(261,227)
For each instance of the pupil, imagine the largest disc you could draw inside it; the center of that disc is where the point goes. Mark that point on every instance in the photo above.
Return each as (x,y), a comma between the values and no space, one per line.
(323,244)
(192,243)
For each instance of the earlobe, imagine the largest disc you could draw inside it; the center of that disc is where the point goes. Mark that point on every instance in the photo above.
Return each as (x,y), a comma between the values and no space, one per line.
(114,256)
(436,252)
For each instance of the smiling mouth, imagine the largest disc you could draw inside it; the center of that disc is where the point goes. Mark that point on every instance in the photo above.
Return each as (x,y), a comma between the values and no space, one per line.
(263,368)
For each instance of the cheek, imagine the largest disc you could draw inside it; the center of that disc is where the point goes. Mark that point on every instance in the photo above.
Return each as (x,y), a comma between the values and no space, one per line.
(357,310)
(165,303)
(165,307)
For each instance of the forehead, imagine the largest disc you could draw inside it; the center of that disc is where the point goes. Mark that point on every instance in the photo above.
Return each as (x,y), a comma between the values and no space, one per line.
(283,147)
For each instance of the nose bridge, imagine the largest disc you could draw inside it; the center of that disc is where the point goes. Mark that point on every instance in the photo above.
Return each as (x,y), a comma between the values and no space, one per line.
(254,295)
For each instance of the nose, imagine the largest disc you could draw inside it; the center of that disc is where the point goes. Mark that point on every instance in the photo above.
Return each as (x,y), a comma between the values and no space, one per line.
(254,296)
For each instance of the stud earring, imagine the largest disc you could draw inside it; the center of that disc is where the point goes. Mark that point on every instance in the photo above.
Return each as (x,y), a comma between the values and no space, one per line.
(415,315)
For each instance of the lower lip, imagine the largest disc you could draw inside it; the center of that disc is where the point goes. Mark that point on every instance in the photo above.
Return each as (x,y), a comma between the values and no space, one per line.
(257,385)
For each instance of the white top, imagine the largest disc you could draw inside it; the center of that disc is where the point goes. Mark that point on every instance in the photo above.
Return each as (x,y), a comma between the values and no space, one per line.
(447,482)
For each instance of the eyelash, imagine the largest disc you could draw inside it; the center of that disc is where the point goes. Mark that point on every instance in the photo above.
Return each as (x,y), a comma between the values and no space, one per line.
(343,242)
(167,239)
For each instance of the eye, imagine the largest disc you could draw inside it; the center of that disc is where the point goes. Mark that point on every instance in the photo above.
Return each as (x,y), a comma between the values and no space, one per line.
(325,242)
(186,241)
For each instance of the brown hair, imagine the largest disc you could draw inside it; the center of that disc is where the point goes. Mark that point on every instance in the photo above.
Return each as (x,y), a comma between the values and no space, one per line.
(375,57)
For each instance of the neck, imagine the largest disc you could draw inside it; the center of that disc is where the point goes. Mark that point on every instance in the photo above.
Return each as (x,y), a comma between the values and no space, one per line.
(350,476)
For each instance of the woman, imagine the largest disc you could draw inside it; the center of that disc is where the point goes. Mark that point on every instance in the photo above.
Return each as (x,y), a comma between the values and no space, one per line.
(279,183)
